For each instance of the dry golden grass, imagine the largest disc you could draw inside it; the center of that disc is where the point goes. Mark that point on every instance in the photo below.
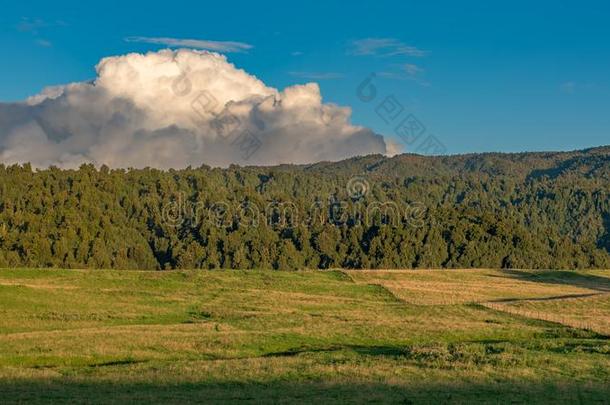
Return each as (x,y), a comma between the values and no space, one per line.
(450,287)
(581,300)
(588,312)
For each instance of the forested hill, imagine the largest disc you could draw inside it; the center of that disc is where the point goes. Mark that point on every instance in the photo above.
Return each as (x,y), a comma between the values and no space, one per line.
(527,210)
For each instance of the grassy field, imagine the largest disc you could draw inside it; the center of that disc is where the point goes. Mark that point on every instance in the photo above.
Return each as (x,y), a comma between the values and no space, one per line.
(578,299)
(460,336)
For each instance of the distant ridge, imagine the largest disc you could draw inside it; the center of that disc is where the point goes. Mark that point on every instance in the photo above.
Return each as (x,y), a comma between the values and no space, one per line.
(541,210)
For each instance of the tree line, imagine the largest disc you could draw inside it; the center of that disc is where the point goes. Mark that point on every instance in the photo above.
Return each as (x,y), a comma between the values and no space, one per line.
(527,210)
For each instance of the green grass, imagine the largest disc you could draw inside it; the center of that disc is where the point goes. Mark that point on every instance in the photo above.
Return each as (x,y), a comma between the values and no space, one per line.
(294,337)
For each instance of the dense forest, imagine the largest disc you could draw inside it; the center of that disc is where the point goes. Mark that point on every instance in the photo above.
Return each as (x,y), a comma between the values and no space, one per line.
(527,210)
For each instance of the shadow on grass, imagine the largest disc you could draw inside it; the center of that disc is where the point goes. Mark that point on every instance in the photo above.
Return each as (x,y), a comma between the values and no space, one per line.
(553,298)
(562,277)
(412,392)
(392,351)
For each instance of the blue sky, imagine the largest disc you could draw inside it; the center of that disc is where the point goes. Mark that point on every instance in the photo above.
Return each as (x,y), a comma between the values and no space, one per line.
(480,75)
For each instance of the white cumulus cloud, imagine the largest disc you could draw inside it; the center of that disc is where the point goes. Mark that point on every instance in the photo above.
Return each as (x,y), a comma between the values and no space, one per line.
(172,109)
